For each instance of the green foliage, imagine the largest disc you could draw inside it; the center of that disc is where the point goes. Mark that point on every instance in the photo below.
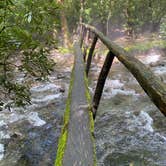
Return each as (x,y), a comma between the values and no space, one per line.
(146,45)
(26,31)
(163,29)
(27,28)
(96,10)
(135,15)
(64,50)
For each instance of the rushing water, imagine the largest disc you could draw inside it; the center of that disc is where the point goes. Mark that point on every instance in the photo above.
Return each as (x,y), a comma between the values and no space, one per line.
(29,135)
(129,129)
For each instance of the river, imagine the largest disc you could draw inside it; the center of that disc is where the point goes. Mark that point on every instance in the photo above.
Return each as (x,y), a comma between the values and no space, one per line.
(129,129)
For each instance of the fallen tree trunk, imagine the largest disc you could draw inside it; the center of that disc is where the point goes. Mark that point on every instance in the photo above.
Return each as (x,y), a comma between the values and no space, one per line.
(151,84)
(76,143)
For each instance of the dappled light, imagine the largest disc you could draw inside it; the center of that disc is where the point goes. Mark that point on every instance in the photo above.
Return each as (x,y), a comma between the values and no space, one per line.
(82,83)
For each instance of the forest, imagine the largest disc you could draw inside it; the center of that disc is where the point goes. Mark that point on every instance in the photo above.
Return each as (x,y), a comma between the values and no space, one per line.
(103,59)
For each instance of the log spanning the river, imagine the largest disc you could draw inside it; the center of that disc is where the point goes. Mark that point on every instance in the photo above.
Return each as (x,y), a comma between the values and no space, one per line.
(151,84)
(76,143)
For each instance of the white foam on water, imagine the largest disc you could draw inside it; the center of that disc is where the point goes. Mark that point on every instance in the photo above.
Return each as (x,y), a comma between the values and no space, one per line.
(152,58)
(35,120)
(2,123)
(142,121)
(124,92)
(8,117)
(15,117)
(2,149)
(47,98)
(4,135)
(160,70)
(44,87)
(114,83)
(147,121)
(33,107)
(161,136)
(114,87)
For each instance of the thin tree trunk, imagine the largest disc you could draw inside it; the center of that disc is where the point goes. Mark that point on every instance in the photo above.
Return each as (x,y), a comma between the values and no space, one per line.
(101,81)
(64,29)
(107,29)
(83,35)
(81,10)
(91,54)
(64,26)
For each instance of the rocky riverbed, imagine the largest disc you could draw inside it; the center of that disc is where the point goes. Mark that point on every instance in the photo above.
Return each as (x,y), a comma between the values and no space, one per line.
(129,129)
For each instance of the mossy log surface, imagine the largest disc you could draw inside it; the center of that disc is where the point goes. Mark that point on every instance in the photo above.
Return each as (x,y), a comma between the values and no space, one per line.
(151,84)
(77,147)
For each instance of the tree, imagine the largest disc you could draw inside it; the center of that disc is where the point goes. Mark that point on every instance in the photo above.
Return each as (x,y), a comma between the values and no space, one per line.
(64,24)
(25,33)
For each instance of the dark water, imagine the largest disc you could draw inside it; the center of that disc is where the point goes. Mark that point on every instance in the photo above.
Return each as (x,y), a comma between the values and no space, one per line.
(129,129)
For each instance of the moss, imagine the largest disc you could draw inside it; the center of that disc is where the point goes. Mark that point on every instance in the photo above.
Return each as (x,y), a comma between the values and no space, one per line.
(64,133)
(147,45)
(61,147)
(64,50)
(88,97)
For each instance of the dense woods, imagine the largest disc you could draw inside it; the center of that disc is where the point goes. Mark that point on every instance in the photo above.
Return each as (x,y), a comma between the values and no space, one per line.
(36,58)
(29,28)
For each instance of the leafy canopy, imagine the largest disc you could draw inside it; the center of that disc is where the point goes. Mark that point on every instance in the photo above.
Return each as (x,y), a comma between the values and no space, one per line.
(26,31)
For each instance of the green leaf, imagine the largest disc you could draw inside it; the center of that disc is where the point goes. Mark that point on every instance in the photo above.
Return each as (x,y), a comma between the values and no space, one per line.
(87,11)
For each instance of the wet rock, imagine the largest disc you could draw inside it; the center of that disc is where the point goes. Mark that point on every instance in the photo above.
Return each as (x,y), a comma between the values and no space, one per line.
(62,90)
(16,135)
(23,161)
(60,76)
(158,63)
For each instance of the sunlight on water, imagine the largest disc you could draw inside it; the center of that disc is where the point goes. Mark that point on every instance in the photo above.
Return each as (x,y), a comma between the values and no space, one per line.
(152,58)
(1,151)
(34,119)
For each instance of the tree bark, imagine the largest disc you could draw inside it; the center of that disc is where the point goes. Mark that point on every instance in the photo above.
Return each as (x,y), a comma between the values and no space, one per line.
(76,143)
(64,30)
(64,26)
(101,81)
(151,84)
(83,35)
(90,55)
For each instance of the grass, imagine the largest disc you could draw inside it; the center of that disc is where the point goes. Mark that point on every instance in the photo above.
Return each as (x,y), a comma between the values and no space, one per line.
(146,45)
(64,50)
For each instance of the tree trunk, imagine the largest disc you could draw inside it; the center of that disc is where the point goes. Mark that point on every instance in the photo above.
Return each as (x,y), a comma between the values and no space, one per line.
(64,26)
(90,55)
(64,29)
(101,81)
(151,84)
(76,143)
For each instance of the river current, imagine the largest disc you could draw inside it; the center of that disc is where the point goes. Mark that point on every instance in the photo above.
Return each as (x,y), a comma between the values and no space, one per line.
(129,129)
